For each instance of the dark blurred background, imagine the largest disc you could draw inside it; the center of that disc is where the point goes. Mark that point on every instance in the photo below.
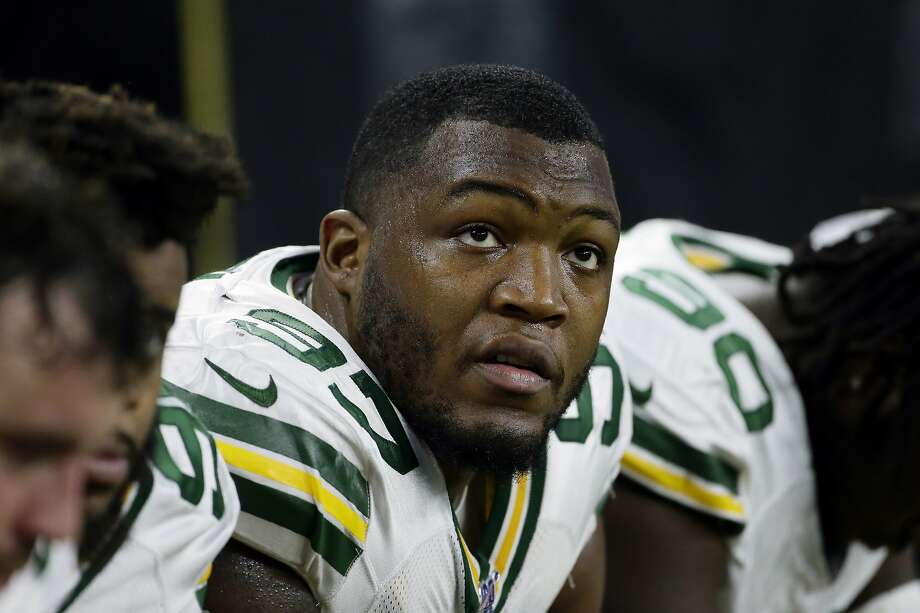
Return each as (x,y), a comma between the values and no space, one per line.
(759,118)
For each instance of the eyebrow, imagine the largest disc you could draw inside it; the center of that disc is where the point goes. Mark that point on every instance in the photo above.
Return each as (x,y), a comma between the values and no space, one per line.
(597,212)
(478,185)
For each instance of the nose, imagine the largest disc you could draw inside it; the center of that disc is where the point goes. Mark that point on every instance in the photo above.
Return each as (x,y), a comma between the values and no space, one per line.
(532,288)
(55,506)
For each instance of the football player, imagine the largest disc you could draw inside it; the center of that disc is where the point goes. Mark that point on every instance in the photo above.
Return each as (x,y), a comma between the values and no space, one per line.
(160,502)
(406,409)
(775,455)
(73,333)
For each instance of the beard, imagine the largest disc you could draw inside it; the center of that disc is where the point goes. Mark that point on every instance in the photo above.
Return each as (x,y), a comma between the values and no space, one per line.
(100,528)
(401,352)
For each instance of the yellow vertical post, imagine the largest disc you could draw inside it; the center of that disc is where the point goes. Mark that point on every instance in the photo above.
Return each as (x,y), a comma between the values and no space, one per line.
(208,107)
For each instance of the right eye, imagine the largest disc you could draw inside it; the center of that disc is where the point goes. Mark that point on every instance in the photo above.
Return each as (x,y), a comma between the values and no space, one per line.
(479,236)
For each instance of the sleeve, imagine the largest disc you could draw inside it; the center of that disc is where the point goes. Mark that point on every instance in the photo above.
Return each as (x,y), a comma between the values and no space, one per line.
(297,468)
(689,443)
(198,520)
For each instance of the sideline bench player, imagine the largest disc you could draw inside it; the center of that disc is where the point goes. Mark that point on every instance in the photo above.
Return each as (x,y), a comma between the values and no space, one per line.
(65,358)
(774,461)
(403,408)
(160,504)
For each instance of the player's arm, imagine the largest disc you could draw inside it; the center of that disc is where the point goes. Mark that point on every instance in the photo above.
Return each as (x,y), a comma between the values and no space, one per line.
(660,556)
(894,587)
(246,581)
(584,591)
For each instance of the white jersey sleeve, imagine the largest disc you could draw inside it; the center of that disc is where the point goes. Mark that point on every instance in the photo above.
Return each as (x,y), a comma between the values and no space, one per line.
(175,520)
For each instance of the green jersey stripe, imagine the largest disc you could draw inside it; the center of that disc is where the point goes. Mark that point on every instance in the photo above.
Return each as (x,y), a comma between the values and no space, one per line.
(538,482)
(301,517)
(288,267)
(282,438)
(494,526)
(670,448)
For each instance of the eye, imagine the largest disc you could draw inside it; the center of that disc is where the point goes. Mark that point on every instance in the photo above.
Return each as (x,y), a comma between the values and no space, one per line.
(479,236)
(585,256)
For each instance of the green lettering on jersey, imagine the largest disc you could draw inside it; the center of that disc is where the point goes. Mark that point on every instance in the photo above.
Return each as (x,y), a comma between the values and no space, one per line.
(190,487)
(730,345)
(576,429)
(324,357)
(675,294)
(398,453)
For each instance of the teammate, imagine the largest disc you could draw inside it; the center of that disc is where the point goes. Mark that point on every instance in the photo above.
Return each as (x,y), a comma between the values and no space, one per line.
(774,462)
(73,333)
(390,402)
(160,503)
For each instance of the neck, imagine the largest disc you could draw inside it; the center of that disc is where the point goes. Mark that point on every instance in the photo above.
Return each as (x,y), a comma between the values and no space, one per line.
(328,303)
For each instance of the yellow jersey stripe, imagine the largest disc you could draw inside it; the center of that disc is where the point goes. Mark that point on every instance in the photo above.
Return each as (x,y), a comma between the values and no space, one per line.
(329,503)
(514,526)
(203,579)
(705,261)
(681,485)
(471,560)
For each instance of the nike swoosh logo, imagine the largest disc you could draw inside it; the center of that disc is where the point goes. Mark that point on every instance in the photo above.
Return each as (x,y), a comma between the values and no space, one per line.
(262,396)
(640,396)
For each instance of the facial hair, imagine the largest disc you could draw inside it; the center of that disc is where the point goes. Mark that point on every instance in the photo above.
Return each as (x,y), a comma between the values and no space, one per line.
(400,351)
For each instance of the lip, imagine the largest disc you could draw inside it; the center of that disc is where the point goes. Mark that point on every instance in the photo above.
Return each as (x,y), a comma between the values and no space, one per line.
(535,365)
(109,466)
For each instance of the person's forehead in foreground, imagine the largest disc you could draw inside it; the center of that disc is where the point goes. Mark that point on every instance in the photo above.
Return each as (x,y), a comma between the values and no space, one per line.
(485,251)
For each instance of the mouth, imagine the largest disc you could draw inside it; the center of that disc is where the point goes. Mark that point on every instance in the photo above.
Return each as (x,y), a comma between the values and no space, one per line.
(518,365)
(108,468)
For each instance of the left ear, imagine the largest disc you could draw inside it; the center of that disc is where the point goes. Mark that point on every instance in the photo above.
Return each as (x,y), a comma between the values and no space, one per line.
(344,240)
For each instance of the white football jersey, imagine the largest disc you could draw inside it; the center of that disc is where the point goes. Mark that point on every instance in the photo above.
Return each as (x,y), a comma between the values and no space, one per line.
(719,425)
(175,519)
(334,484)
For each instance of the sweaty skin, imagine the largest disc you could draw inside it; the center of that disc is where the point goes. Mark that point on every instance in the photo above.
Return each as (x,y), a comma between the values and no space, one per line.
(496,242)
(53,406)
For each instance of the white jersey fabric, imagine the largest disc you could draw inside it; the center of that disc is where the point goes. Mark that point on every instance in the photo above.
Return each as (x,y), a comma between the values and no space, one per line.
(334,484)
(175,519)
(719,425)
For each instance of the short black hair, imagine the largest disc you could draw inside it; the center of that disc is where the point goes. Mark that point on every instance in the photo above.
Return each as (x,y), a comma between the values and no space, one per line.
(166,176)
(398,127)
(57,234)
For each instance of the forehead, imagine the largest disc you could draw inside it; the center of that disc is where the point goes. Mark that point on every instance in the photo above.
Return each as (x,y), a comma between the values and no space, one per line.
(67,399)
(461,149)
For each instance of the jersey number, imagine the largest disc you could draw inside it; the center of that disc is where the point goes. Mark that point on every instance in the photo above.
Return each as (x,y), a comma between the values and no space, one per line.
(576,429)
(733,352)
(398,453)
(190,435)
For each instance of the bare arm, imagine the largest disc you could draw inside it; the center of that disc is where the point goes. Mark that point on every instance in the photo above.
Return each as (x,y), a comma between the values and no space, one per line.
(661,557)
(585,592)
(246,581)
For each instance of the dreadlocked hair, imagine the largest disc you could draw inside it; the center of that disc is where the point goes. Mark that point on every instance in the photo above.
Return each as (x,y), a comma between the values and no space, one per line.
(166,176)
(858,296)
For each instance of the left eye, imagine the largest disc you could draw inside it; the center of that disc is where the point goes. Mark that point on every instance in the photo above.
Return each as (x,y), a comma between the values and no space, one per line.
(479,236)
(584,256)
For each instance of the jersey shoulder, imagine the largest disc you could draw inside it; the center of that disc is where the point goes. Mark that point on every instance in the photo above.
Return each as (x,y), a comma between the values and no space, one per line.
(301,421)
(704,372)
(175,519)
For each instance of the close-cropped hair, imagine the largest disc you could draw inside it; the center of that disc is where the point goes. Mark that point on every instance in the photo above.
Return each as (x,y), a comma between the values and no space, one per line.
(398,127)
(165,176)
(59,236)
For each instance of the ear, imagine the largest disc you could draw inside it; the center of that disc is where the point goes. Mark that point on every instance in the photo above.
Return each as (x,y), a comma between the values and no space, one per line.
(344,240)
